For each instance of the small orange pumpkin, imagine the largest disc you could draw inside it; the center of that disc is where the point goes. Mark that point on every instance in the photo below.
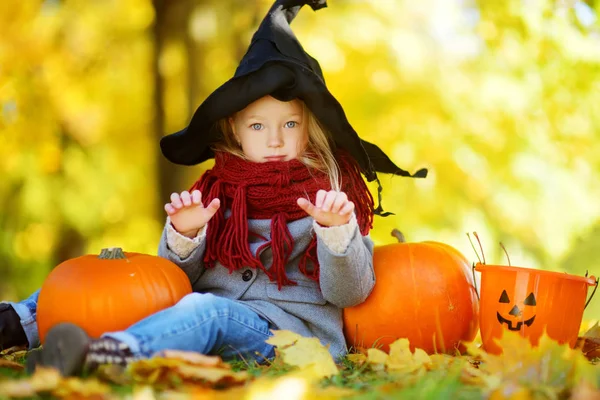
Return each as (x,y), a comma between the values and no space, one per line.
(109,292)
(424,292)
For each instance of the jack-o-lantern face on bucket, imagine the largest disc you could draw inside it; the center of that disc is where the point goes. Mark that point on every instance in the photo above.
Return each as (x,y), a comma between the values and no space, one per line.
(514,316)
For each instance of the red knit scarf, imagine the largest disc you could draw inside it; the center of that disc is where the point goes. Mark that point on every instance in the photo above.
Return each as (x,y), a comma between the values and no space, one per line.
(269,191)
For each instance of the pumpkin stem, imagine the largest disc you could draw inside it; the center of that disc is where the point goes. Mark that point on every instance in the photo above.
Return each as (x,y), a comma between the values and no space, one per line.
(474,249)
(505,252)
(398,235)
(113,253)
(480,246)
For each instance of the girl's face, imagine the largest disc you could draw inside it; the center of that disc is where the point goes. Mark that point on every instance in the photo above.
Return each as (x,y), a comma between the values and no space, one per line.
(271,130)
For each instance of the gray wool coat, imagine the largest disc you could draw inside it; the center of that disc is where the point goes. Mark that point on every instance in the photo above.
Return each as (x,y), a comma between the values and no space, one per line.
(310,308)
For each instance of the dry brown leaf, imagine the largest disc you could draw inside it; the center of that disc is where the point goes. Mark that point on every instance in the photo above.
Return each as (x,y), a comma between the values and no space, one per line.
(13,353)
(306,353)
(4,363)
(589,346)
(192,357)
(169,372)
(589,343)
(13,350)
(585,391)
(217,376)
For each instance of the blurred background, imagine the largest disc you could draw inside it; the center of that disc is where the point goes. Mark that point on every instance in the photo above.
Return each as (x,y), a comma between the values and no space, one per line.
(499,99)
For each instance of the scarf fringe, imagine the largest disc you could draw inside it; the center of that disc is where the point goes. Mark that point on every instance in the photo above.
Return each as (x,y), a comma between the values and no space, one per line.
(310,256)
(282,244)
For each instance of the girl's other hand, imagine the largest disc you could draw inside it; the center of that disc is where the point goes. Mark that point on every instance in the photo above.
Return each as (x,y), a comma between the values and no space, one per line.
(188,214)
(330,209)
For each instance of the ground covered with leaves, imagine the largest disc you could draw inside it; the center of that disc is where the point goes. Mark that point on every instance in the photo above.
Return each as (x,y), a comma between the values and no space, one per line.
(303,369)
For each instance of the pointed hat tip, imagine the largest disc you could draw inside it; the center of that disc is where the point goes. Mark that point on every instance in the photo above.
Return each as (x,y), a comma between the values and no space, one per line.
(317,4)
(422,173)
(314,4)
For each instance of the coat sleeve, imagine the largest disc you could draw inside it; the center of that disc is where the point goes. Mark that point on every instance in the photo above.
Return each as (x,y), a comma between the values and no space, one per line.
(346,276)
(186,253)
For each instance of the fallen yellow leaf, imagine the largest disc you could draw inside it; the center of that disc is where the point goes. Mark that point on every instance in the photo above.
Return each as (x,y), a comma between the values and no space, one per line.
(283,338)
(377,357)
(80,388)
(547,366)
(308,354)
(510,392)
(357,358)
(402,359)
(44,380)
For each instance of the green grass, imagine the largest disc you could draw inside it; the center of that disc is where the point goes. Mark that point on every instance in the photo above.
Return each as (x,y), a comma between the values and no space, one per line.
(372,385)
(366,383)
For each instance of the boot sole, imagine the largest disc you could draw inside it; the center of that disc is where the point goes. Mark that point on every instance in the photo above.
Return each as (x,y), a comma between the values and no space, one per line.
(65,349)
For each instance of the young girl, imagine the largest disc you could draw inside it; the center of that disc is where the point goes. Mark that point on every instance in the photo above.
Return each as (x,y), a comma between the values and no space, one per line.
(250,252)
(274,236)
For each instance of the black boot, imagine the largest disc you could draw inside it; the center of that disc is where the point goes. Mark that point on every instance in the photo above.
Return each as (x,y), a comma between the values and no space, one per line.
(11,331)
(70,350)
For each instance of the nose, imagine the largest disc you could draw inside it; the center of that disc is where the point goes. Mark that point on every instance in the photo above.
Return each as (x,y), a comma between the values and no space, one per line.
(275,138)
(515,311)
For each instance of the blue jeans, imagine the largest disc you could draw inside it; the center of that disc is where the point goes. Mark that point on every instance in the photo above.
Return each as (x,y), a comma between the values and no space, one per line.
(204,323)
(27,310)
(198,322)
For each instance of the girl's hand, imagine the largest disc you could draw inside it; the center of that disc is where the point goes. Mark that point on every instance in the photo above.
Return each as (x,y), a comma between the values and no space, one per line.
(187,213)
(330,209)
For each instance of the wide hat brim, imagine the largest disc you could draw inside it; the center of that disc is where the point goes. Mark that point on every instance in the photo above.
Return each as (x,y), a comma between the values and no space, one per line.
(276,65)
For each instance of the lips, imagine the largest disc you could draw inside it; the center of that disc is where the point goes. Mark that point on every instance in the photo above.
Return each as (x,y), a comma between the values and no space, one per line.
(275,158)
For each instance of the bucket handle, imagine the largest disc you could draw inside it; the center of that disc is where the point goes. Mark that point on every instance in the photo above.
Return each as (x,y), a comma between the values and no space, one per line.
(592,295)
(477,292)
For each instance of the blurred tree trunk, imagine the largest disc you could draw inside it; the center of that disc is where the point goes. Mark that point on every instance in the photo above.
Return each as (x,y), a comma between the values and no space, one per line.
(192,65)
(172,22)
(168,172)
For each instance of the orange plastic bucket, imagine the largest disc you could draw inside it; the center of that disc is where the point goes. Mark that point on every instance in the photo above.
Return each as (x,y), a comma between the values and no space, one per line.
(531,302)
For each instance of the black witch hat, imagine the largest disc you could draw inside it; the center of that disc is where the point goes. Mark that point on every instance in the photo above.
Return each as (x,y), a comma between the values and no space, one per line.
(277,65)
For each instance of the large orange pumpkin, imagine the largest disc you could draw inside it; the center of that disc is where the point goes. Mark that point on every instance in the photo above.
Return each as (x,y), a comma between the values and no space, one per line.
(109,292)
(424,292)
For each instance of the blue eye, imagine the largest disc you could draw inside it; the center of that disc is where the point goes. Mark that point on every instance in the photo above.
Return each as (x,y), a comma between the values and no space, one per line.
(291,124)
(256,127)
